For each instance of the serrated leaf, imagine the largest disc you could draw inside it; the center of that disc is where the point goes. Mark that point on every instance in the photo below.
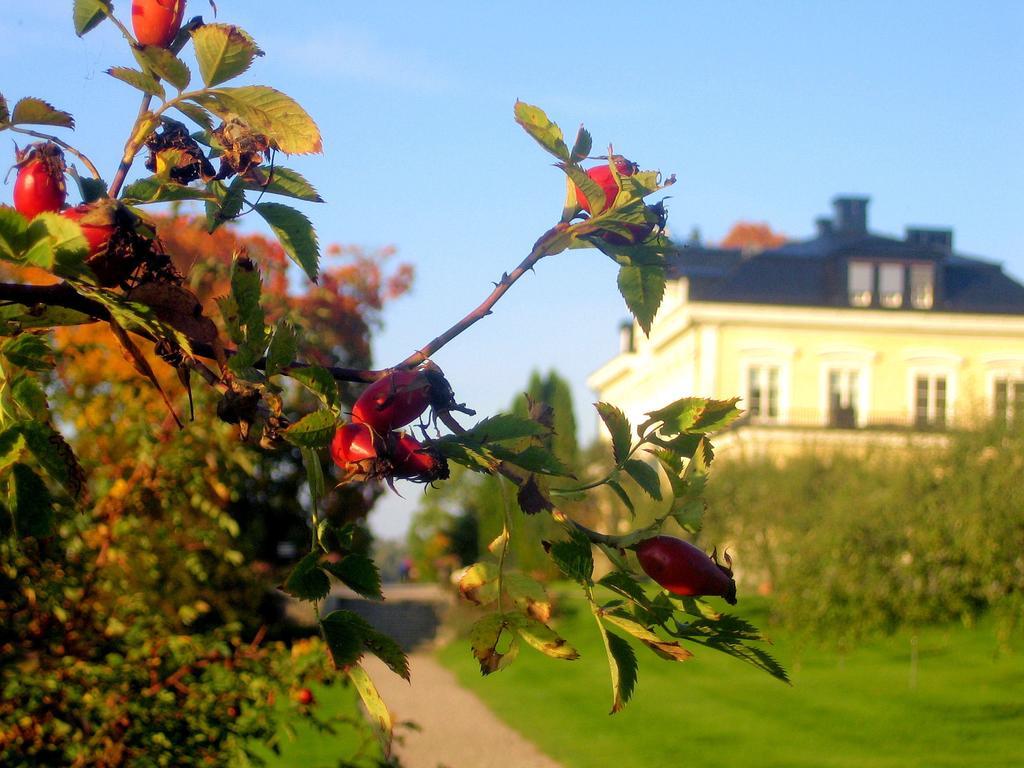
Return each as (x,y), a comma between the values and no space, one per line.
(666,649)
(380,718)
(642,288)
(624,584)
(478,583)
(87,14)
(546,640)
(582,146)
(574,558)
(267,111)
(89,188)
(284,345)
(493,641)
(343,632)
(281,181)
(153,189)
(623,667)
(590,188)
(32,502)
(619,491)
(717,414)
(31,111)
(313,430)
(141,364)
(57,245)
(503,426)
(12,443)
(307,581)
(535,458)
(619,429)
(196,114)
(359,573)
(296,235)
(246,288)
(320,382)
(55,456)
(387,650)
(163,64)
(227,204)
(546,133)
(645,476)
(141,80)
(29,351)
(223,52)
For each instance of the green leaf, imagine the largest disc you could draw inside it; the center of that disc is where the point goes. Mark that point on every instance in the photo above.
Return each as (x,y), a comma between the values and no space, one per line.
(618,427)
(30,111)
(623,667)
(58,245)
(574,558)
(320,382)
(666,649)
(282,181)
(245,290)
(283,346)
(535,458)
(359,573)
(642,288)
(163,64)
(582,146)
(89,13)
(717,414)
(590,188)
(307,581)
(32,503)
(646,477)
(314,473)
(153,189)
(296,234)
(544,132)
(693,415)
(89,188)
(196,114)
(141,80)
(380,718)
(619,491)
(29,351)
(729,634)
(269,112)
(387,650)
(55,456)
(313,430)
(493,641)
(227,204)
(223,52)
(12,443)
(624,584)
(343,631)
(546,640)
(504,426)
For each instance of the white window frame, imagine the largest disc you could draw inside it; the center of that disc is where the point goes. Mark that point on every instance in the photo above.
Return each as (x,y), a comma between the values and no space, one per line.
(852,359)
(1010,368)
(779,357)
(933,362)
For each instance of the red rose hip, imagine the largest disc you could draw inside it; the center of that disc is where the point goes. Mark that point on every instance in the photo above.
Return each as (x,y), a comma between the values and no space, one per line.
(393,401)
(602,175)
(40,185)
(156,22)
(683,569)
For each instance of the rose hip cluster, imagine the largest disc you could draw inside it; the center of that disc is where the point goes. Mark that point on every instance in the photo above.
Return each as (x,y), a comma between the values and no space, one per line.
(371,447)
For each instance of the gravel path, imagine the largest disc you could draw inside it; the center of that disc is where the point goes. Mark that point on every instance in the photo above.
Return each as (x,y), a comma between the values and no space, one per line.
(457,730)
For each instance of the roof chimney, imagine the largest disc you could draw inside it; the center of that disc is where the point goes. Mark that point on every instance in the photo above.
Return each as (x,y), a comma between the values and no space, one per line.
(851,215)
(823,225)
(941,239)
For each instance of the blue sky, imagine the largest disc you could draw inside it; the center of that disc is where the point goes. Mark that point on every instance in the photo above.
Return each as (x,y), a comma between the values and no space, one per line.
(764,111)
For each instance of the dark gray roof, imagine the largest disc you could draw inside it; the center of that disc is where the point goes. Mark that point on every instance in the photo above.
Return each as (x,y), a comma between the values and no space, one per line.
(813,273)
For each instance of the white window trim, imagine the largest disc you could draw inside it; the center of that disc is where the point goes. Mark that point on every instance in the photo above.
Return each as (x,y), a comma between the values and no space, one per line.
(863,403)
(951,390)
(759,361)
(1012,373)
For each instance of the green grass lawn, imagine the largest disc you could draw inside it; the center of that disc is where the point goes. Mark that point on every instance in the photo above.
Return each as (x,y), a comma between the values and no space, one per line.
(861,709)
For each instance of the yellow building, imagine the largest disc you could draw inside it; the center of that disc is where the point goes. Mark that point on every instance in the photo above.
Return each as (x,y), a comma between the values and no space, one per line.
(828,337)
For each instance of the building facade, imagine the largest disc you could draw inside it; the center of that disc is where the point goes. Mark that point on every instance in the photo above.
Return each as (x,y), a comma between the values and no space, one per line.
(824,338)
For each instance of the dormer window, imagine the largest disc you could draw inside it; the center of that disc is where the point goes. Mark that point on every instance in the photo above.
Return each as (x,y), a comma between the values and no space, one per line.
(922,286)
(890,285)
(861,283)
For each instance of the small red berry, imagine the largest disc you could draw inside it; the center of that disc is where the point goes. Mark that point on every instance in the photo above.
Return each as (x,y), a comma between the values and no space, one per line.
(602,174)
(304,696)
(413,461)
(40,184)
(393,401)
(156,22)
(353,445)
(683,569)
(97,225)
